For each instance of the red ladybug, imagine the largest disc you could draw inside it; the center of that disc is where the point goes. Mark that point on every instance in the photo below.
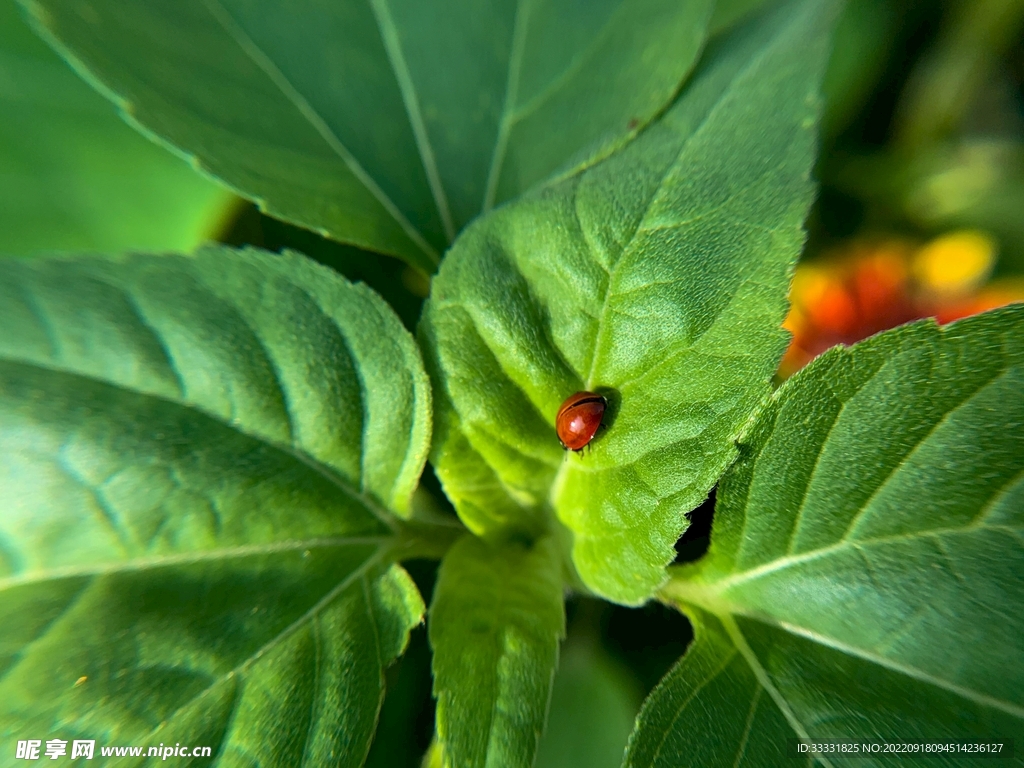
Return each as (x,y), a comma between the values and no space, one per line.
(579,419)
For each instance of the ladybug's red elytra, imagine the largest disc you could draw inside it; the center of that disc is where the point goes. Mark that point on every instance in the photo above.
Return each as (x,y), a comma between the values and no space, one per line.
(579,419)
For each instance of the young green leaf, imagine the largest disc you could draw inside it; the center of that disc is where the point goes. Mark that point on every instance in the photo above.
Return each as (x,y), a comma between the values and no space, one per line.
(864,577)
(495,622)
(75,177)
(197,453)
(657,277)
(387,123)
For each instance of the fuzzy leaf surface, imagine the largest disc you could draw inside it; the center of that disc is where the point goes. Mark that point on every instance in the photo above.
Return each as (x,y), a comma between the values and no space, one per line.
(495,623)
(385,123)
(865,572)
(193,538)
(658,278)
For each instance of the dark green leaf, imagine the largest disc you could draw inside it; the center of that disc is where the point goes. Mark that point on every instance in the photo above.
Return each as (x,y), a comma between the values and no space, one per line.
(386,124)
(196,456)
(495,622)
(657,277)
(73,176)
(865,573)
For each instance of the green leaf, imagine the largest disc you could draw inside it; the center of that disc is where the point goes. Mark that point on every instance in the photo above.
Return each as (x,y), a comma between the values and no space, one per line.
(657,277)
(407,705)
(495,622)
(593,703)
(864,578)
(728,13)
(385,124)
(73,176)
(865,36)
(196,456)
(276,656)
(275,348)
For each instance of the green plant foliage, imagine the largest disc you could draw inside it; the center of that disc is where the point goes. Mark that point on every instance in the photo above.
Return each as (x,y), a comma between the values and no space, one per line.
(728,13)
(658,277)
(275,348)
(385,124)
(198,453)
(495,622)
(864,578)
(863,40)
(593,703)
(73,176)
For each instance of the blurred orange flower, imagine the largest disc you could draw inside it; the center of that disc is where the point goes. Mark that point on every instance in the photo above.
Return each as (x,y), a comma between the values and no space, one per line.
(871,285)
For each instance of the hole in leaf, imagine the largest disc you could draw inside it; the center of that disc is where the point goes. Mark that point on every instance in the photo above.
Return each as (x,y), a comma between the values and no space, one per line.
(649,639)
(695,540)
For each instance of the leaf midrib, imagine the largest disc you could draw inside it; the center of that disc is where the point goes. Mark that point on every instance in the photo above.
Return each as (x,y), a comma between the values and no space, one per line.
(725,611)
(781,563)
(393,48)
(696,131)
(254,658)
(249,47)
(194,557)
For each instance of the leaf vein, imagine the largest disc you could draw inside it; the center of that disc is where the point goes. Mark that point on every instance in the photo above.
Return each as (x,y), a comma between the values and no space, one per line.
(162,561)
(157,337)
(746,728)
(976,697)
(393,48)
(1000,493)
(515,63)
(816,554)
(243,667)
(316,630)
(107,516)
(325,472)
(798,519)
(762,677)
(686,702)
(917,446)
(43,318)
(555,84)
(278,78)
